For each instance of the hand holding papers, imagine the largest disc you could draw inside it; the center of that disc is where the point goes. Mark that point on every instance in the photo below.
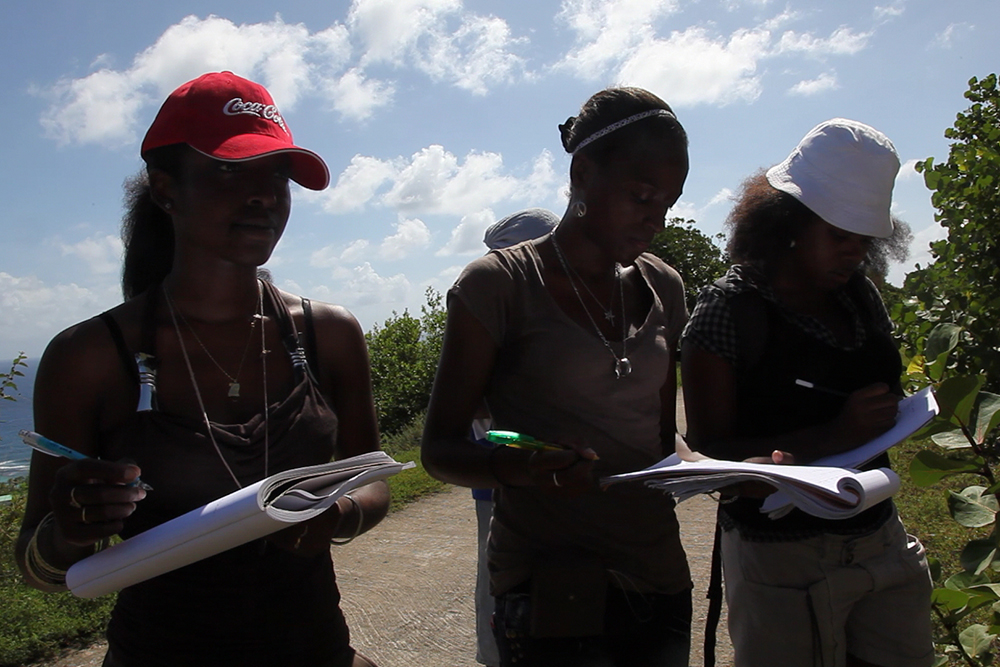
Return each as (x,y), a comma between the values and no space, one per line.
(248,514)
(829,488)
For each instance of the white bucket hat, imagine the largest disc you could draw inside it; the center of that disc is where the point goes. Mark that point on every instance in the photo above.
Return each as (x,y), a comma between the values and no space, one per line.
(524,225)
(843,171)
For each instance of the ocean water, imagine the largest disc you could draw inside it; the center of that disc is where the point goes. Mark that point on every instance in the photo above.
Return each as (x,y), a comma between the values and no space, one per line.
(14,416)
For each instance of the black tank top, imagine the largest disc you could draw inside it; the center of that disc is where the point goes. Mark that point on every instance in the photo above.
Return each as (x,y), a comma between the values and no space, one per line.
(253,605)
(771,403)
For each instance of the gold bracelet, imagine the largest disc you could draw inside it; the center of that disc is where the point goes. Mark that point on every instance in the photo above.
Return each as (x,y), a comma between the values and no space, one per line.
(38,568)
(357,530)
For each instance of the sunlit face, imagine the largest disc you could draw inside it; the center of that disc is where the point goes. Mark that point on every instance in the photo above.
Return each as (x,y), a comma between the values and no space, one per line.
(234,210)
(628,199)
(827,256)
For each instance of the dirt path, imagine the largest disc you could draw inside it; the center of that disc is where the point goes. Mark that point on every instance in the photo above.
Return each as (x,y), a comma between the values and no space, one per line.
(408,585)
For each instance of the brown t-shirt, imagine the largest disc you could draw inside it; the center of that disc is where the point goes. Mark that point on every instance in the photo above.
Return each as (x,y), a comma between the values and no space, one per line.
(554,379)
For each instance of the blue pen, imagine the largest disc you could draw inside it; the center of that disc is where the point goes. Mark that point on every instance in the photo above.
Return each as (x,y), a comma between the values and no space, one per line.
(39,442)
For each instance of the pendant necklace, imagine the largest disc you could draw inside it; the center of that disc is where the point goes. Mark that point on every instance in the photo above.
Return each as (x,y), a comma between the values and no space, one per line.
(259,315)
(234,380)
(623,367)
(609,311)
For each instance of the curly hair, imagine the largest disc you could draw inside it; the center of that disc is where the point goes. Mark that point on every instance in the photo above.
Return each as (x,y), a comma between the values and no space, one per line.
(612,105)
(764,221)
(147,231)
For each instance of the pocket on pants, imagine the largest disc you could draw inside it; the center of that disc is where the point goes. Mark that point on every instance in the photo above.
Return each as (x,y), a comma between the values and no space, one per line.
(770,625)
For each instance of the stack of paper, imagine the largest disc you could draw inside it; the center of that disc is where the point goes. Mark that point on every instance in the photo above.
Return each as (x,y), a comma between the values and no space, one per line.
(830,493)
(248,514)
(830,487)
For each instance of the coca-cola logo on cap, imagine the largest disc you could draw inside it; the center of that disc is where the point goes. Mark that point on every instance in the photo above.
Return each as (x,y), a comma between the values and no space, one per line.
(237,106)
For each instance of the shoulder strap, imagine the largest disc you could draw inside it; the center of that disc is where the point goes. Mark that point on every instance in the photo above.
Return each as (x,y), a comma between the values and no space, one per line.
(128,361)
(749,311)
(312,354)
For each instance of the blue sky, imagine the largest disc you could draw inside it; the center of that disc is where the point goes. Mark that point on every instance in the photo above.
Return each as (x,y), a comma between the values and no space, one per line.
(437,117)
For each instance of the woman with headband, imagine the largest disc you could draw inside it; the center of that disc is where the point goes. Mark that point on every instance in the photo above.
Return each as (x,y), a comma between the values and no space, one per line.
(791,353)
(571,340)
(207,379)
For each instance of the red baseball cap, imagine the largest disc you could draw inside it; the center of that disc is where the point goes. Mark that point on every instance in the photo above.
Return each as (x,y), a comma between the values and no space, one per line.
(232,119)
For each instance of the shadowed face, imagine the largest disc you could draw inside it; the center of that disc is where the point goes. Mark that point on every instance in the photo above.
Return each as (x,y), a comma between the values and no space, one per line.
(827,256)
(628,198)
(234,210)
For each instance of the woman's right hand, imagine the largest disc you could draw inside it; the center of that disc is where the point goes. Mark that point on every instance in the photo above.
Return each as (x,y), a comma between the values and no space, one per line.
(868,413)
(92,498)
(569,471)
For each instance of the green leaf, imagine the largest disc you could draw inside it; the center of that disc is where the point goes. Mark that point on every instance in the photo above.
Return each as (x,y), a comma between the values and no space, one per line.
(979,554)
(940,342)
(953,439)
(987,415)
(971,508)
(976,640)
(956,396)
(929,468)
(949,601)
(963,580)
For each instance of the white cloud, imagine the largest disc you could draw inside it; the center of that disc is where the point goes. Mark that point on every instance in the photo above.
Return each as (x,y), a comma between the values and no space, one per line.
(103,107)
(606,32)
(35,311)
(843,41)
(367,287)
(891,11)
(824,82)
(691,67)
(102,254)
(467,236)
(907,172)
(475,56)
(438,38)
(410,235)
(356,97)
(358,183)
(947,37)
(435,181)
(337,255)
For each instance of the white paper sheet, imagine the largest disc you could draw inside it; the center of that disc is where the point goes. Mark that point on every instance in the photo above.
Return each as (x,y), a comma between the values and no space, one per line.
(240,517)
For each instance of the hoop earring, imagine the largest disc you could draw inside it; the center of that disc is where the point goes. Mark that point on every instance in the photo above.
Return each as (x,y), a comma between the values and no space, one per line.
(579,208)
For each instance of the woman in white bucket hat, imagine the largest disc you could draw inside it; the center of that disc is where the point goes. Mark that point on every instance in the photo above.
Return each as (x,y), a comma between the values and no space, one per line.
(797,305)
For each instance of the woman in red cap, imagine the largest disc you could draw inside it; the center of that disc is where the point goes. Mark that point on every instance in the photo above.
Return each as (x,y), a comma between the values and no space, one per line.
(207,379)
(792,351)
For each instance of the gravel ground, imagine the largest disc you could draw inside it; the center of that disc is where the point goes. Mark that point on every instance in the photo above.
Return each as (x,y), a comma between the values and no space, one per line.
(408,585)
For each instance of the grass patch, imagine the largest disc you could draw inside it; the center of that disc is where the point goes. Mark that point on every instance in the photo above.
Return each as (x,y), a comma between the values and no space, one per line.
(36,625)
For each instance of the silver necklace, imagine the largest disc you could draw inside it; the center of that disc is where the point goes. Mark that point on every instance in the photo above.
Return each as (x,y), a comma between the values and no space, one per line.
(234,381)
(609,311)
(623,367)
(197,392)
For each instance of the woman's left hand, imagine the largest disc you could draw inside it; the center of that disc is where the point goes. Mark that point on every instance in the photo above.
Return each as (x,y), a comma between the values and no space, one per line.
(312,537)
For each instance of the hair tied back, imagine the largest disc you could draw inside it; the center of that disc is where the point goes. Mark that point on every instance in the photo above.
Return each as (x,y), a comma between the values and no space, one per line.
(566,133)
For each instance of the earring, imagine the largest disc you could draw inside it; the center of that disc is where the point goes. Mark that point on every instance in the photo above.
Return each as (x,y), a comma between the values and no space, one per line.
(580,208)
(792,244)
(167,205)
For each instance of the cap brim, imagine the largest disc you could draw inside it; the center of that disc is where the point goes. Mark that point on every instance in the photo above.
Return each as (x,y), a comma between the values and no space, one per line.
(308,169)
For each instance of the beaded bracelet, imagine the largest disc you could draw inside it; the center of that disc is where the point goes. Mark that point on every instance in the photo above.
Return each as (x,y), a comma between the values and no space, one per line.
(357,530)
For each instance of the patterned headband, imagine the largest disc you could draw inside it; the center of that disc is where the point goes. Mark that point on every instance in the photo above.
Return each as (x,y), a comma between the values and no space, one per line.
(620,124)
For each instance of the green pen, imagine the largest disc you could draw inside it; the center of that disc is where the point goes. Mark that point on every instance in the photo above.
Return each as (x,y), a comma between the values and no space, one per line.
(521,441)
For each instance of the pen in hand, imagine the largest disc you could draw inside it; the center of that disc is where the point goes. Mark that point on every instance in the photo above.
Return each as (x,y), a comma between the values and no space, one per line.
(42,444)
(825,390)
